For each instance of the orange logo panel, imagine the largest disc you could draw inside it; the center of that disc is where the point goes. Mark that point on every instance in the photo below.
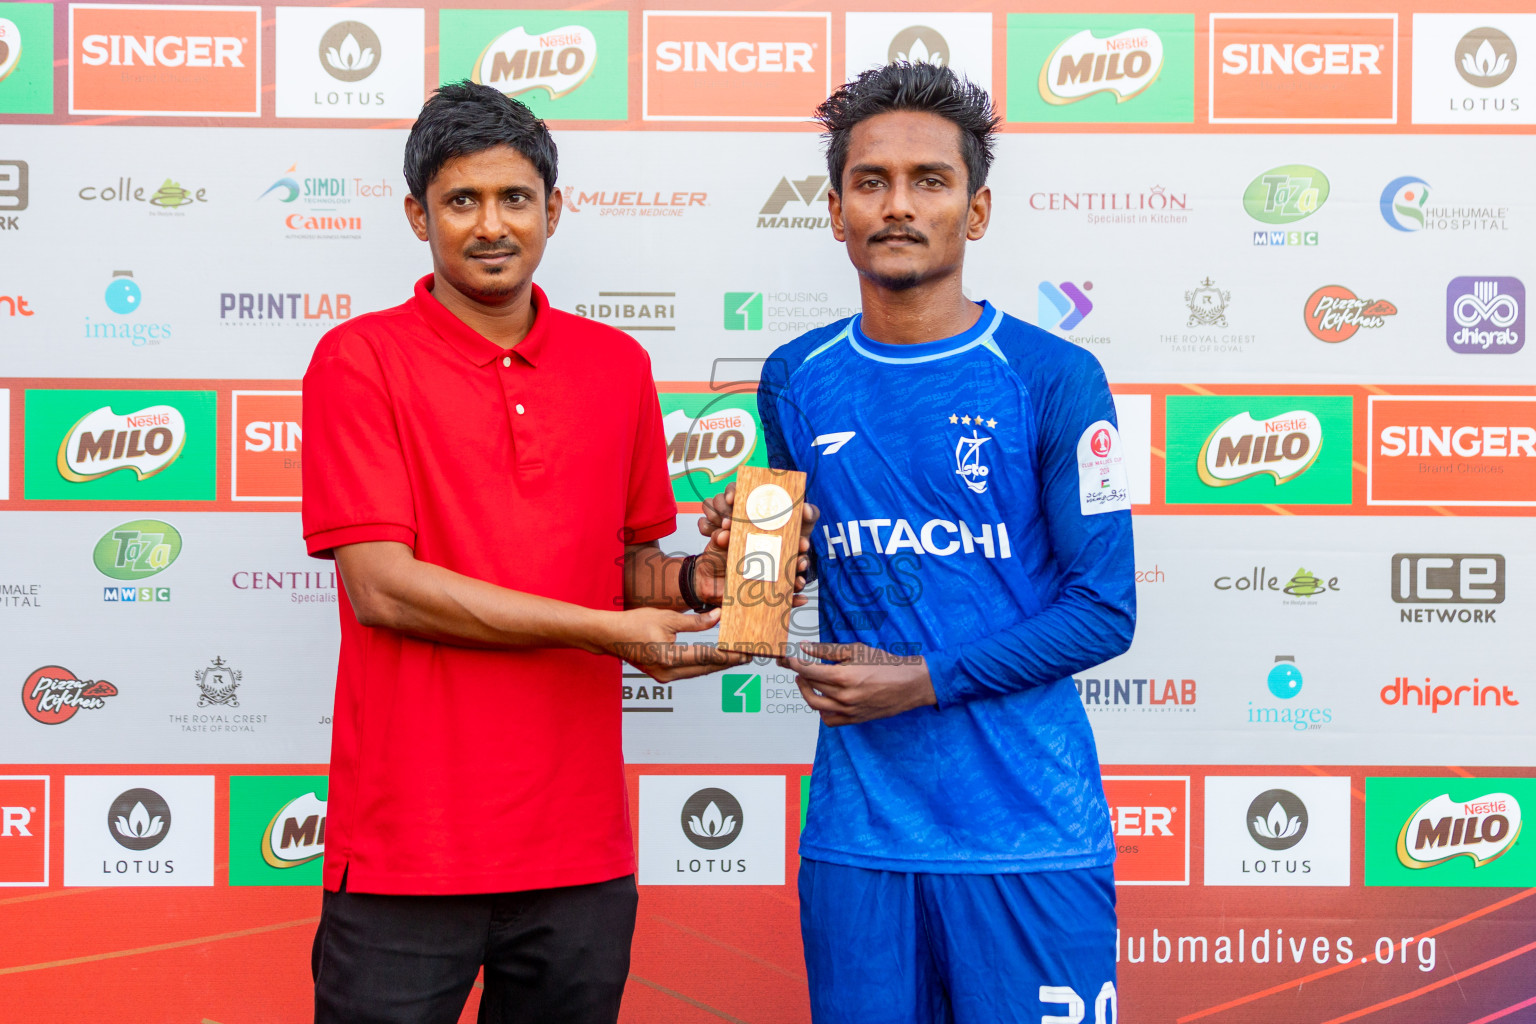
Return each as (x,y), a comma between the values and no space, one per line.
(268,444)
(1452,451)
(1151,822)
(1312,68)
(23,831)
(735,67)
(165,60)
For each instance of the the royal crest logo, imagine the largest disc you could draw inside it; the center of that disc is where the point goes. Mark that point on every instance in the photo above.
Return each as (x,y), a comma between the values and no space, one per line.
(968,465)
(53,694)
(218,683)
(1207,305)
(1124,64)
(557,61)
(1283,446)
(1441,829)
(103,441)
(1334,313)
(296,833)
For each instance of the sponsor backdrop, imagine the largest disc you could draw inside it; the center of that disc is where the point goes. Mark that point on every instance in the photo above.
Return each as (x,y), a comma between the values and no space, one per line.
(1299,240)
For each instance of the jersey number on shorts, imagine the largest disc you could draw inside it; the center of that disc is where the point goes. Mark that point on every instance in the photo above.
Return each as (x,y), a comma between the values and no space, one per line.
(1105,1008)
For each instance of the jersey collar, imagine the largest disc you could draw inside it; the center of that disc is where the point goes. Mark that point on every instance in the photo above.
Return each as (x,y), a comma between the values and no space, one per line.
(979,333)
(473,345)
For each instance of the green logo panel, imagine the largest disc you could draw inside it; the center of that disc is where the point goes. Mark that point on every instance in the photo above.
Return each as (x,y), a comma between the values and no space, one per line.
(26,58)
(137,550)
(743,311)
(709,437)
(1326,476)
(741,692)
(1101,68)
(58,423)
(565,65)
(276,829)
(1449,832)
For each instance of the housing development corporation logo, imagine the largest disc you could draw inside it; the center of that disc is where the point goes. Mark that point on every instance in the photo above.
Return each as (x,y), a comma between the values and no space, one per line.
(1101,68)
(571,65)
(1451,450)
(1334,313)
(1485,315)
(165,60)
(1449,588)
(1282,196)
(1303,68)
(734,65)
(53,694)
(1447,831)
(712,830)
(1285,449)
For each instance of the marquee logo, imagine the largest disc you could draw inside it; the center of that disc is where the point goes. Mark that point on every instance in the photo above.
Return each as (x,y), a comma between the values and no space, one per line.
(1447,831)
(137,550)
(1433,450)
(1333,313)
(734,65)
(53,694)
(1084,65)
(557,61)
(1150,817)
(25,813)
(1283,446)
(165,60)
(571,64)
(1485,315)
(1304,68)
(103,441)
(296,833)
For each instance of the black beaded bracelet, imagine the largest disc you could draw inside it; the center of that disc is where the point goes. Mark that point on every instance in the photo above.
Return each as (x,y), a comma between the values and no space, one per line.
(685,586)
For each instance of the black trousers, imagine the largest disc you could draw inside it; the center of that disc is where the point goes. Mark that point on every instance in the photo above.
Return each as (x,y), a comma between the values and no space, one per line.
(551,956)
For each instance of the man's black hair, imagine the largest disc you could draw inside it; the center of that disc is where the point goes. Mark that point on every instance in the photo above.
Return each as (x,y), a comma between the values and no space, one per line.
(916,86)
(465,118)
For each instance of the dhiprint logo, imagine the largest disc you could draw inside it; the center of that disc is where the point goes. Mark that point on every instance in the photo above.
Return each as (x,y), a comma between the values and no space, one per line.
(349,51)
(1486,57)
(1485,315)
(139,819)
(1276,830)
(1061,307)
(1333,313)
(1403,202)
(712,830)
(52,694)
(1277,819)
(711,819)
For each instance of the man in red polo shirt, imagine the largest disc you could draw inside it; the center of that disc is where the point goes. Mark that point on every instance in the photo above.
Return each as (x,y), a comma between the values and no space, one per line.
(489,474)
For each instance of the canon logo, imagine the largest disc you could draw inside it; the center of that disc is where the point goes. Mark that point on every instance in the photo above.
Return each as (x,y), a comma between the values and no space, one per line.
(1306,59)
(743,57)
(14,821)
(163,51)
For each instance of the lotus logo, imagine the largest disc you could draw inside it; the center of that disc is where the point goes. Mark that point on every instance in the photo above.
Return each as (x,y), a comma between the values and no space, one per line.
(349,51)
(1283,446)
(296,833)
(718,442)
(1124,65)
(1283,195)
(556,61)
(1277,819)
(103,441)
(919,44)
(1403,202)
(1483,830)
(139,819)
(1485,57)
(712,819)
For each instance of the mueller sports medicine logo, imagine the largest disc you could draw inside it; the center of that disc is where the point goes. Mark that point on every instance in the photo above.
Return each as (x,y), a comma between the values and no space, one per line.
(296,833)
(631,203)
(1485,315)
(1429,450)
(1453,588)
(102,441)
(1083,65)
(734,65)
(1282,446)
(1334,313)
(1150,817)
(165,60)
(557,61)
(1304,68)
(53,694)
(1482,830)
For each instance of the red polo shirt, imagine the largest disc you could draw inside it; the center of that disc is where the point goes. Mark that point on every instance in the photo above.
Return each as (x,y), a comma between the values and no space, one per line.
(455,770)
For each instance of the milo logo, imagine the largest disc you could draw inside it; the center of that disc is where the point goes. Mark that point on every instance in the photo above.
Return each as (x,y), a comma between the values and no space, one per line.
(1482,830)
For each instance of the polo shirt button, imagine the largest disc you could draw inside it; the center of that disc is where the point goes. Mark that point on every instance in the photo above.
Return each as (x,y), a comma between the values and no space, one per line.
(506,360)
(519,408)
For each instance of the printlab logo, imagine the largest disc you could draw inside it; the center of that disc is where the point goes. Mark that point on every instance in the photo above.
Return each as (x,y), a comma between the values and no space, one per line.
(1277,819)
(1148,695)
(139,819)
(53,694)
(712,819)
(1485,57)
(1435,580)
(810,192)
(350,51)
(218,683)
(1061,307)
(1403,202)
(1333,313)
(1485,315)
(1283,196)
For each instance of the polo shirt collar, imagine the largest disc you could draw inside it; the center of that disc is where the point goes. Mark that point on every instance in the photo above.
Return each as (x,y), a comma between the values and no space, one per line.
(473,345)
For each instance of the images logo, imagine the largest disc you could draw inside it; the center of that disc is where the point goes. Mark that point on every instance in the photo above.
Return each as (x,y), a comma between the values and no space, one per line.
(708,437)
(1447,831)
(1403,202)
(1481,829)
(25,810)
(1475,580)
(1431,450)
(1150,814)
(123,293)
(1333,313)
(1277,819)
(1486,57)
(103,441)
(743,311)
(734,65)
(137,550)
(123,296)
(53,694)
(268,446)
(1485,315)
(26,58)
(571,65)
(1300,69)
(741,692)
(168,61)
(1283,446)
(1063,306)
(1284,680)
(167,442)
(1128,68)
(1259,449)
(276,829)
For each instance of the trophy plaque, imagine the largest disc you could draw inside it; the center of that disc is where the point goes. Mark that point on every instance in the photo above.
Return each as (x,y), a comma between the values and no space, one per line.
(761,561)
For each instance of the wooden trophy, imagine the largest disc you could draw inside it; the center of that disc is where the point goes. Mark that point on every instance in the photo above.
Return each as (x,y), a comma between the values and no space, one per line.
(761,561)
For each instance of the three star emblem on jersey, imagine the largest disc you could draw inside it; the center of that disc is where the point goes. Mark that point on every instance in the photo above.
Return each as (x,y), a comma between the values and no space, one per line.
(973,472)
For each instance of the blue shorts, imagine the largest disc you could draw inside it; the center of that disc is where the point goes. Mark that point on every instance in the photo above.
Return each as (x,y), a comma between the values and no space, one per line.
(883,947)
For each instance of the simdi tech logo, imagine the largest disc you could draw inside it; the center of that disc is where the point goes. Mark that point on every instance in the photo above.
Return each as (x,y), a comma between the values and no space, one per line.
(25,815)
(734,65)
(164,60)
(1150,815)
(1259,449)
(268,445)
(276,829)
(1444,832)
(712,829)
(1101,68)
(1474,68)
(709,437)
(1303,69)
(363,62)
(26,58)
(1450,450)
(564,65)
(90,445)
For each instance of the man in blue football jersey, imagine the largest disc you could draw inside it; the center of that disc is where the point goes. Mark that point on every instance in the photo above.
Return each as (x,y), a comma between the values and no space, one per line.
(974,552)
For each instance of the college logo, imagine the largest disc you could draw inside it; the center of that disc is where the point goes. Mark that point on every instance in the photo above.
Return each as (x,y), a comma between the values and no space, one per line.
(1485,315)
(52,694)
(1333,313)
(1401,693)
(1464,69)
(276,829)
(370,64)
(26,58)
(25,813)
(164,60)
(103,441)
(268,446)
(1277,831)
(1304,69)
(709,437)
(138,830)
(167,200)
(1150,815)
(571,65)
(137,550)
(1303,584)
(162,449)
(711,830)
(1451,451)
(1403,202)
(1061,307)
(734,65)
(1475,581)
(1447,831)
(1097,68)
(1259,449)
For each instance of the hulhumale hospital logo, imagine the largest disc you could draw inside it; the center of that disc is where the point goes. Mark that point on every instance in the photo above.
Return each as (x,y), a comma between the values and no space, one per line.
(1403,202)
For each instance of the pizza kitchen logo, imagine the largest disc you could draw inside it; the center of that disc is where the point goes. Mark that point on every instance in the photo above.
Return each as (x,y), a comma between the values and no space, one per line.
(1283,446)
(1334,313)
(53,694)
(103,441)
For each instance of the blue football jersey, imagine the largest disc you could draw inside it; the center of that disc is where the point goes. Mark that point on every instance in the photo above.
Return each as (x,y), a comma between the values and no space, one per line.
(975,510)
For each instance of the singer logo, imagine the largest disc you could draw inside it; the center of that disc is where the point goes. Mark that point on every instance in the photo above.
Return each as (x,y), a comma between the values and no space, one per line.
(24,814)
(268,445)
(1150,814)
(735,65)
(1304,68)
(165,60)
(103,441)
(1451,451)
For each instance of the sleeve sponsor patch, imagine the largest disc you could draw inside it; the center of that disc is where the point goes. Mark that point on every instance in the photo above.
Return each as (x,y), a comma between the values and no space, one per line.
(1101,478)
